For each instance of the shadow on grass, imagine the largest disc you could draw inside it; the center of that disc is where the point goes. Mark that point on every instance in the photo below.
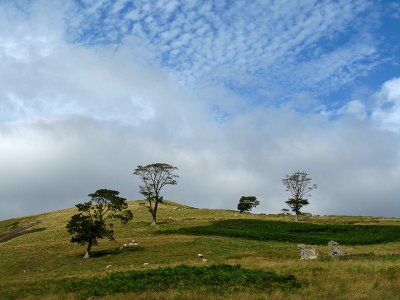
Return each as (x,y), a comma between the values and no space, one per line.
(295,232)
(113,251)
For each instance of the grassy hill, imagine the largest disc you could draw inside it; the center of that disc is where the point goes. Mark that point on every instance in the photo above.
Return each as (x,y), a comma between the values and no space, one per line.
(38,261)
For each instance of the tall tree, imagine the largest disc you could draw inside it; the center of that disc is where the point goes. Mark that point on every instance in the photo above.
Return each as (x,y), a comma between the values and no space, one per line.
(94,220)
(154,177)
(247,203)
(298,185)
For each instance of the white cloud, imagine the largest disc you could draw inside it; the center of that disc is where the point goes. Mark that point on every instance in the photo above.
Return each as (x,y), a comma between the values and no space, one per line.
(354,108)
(387,111)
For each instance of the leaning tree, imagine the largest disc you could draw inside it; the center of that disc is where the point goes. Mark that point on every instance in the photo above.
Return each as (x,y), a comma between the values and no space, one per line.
(94,220)
(154,177)
(298,185)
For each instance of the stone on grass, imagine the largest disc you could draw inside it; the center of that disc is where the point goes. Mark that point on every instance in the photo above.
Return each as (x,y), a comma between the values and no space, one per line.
(200,255)
(307,251)
(204,260)
(146,264)
(334,249)
(108,266)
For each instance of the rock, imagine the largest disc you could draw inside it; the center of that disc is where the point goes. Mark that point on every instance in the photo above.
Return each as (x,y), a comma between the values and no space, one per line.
(125,245)
(108,266)
(199,255)
(146,264)
(307,251)
(204,260)
(130,244)
(334,249)
(135,244)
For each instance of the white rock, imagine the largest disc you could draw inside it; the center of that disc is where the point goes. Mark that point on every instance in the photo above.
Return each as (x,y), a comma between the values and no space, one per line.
(130,244)
(135,244)
(200,255)
(307,251)
(108,266)
(204,260)
(334,249)
(133,241)
(125,245)
(146,264)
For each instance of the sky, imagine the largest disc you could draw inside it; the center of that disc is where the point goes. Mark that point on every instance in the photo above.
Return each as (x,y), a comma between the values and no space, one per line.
(236,94)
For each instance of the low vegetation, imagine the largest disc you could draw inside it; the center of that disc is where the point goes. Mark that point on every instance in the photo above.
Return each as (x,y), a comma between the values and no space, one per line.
(308,233)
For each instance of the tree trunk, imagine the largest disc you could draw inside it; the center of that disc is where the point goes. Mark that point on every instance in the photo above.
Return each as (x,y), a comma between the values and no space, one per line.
(89,247)
(154,212)
(296,219)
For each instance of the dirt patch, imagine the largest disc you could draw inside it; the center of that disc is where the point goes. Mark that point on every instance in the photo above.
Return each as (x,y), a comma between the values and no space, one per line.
(20,231)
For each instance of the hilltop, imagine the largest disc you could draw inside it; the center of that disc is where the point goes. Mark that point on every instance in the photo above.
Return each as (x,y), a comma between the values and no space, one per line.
(37,259)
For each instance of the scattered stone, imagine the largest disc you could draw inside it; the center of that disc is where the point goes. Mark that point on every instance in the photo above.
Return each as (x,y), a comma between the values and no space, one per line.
(200,255)
(334,249)
(204,260)
(307,251)
(135,244)
(146,264)
(108,266)
(125,245)
(133,241)
(130,244)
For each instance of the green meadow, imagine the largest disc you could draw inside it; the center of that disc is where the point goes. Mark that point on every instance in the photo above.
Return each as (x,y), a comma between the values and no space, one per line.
(246,256)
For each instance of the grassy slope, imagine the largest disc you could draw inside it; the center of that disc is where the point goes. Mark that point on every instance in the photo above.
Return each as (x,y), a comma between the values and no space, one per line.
(372,272)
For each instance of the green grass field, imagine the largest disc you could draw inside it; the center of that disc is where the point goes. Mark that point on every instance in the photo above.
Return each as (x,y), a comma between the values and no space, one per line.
(40,263)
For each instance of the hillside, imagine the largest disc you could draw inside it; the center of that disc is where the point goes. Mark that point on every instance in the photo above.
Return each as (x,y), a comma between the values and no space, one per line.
(36,255)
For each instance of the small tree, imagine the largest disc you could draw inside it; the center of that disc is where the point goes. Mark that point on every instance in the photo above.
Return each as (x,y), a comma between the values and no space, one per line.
(247,203)
(298,185)
(154,177)
(94,218)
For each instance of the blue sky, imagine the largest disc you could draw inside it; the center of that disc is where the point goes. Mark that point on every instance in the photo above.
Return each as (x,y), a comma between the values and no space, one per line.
(235,93)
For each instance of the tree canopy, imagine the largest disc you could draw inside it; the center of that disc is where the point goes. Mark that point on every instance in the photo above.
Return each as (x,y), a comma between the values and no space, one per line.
(94,220)
(247,203)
